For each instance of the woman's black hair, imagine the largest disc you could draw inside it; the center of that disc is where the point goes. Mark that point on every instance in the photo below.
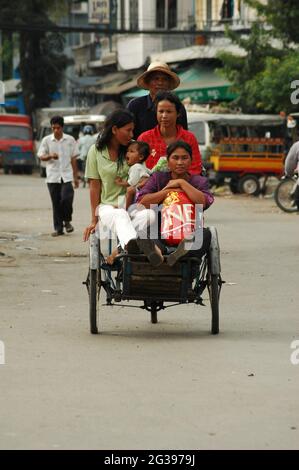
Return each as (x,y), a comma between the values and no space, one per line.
(119,118)
(143,148)
(168,96)
(179,144)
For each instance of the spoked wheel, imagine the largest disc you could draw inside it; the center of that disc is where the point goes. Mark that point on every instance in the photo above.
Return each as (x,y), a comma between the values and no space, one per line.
(94,282)
(214,291)
(214,281)
(154,316)
(284,195)
(94,294)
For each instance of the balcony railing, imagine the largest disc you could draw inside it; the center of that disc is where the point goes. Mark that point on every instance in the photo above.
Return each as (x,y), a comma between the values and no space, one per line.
(220,24)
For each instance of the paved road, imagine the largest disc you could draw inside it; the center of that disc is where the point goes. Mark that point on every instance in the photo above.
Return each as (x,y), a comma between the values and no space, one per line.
(138,385)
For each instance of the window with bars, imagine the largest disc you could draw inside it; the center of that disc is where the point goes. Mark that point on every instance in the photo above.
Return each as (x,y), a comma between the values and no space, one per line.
(172,14)
(227,9)
(133,15)
(166,14)
(122,14)
(160,13)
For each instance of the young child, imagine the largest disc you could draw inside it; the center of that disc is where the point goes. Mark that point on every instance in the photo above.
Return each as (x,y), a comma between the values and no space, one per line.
(137,153)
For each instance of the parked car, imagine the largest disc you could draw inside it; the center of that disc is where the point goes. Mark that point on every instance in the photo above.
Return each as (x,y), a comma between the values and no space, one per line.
(73,125)
(16,143)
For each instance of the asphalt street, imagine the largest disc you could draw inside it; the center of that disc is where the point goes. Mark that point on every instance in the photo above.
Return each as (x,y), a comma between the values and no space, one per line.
(138,385)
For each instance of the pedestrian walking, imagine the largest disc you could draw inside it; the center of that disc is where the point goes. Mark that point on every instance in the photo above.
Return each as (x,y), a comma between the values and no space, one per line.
(158,77)
(60,152)
(84,144)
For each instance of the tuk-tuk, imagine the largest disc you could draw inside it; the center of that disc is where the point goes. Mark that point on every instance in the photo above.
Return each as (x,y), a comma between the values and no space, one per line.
(242,148)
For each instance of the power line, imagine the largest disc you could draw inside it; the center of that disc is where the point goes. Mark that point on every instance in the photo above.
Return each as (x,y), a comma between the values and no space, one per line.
(101,29)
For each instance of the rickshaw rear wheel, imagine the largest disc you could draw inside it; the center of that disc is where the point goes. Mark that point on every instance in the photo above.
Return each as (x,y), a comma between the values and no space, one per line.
(94,293)
(213,288)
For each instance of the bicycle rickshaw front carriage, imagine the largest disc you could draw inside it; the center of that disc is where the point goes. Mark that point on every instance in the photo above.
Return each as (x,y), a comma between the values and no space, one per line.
(134,278)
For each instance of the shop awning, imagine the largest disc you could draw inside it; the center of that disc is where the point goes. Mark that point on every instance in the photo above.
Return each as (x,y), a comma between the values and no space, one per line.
(201,84)
(195,52)
(135,93)
(117,88)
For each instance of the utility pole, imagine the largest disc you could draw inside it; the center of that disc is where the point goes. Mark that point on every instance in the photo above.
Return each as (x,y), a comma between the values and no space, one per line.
(1,73)
(2,90)
(113,20)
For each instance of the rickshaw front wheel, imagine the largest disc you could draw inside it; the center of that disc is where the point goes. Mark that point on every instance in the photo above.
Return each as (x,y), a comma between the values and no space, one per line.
(94,293)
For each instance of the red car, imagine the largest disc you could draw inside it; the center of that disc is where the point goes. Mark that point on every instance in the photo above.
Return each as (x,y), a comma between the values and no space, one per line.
(16,143)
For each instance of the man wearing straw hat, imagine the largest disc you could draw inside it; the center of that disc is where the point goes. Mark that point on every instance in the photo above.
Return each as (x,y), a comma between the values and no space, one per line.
(157,77)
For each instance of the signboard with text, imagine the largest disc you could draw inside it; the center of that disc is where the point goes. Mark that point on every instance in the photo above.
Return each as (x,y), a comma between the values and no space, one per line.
(99,11)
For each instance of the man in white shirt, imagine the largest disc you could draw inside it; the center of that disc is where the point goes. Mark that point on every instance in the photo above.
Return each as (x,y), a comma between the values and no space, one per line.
(60,151)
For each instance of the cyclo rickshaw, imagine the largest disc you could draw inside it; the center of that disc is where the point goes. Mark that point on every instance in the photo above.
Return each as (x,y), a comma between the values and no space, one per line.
(133,278)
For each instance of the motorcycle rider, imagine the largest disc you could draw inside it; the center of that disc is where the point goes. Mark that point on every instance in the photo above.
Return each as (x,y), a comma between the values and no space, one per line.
(291,165)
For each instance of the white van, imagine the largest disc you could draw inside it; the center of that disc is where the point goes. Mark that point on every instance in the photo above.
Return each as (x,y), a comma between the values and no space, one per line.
(73,125)
(198,124)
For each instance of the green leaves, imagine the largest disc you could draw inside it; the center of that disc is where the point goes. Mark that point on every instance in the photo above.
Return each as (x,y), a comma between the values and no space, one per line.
(42,61)
(274,83)
(263,78)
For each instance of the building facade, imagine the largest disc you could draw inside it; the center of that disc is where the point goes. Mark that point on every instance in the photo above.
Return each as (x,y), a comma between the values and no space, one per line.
(215,14)
(134,50)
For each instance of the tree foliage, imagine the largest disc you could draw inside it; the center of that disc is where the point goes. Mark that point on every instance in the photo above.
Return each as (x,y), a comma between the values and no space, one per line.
(282,16)
(7,55)
(262,78)
(272,86)
(42,61)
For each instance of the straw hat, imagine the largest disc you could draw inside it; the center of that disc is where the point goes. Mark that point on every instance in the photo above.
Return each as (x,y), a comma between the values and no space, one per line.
(142,81)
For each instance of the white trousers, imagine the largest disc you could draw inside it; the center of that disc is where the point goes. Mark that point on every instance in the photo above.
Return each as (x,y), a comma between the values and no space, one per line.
(122,225)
